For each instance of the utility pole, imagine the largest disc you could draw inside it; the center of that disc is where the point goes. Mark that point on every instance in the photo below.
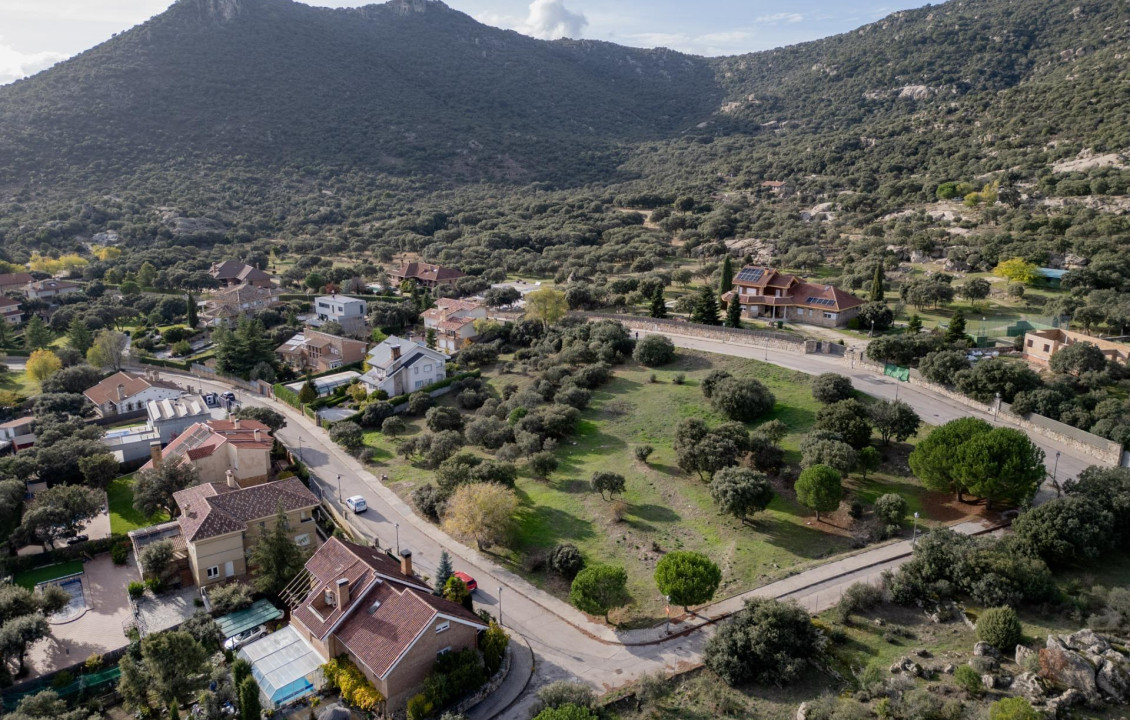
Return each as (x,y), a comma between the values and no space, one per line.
(914,537)
(500,605)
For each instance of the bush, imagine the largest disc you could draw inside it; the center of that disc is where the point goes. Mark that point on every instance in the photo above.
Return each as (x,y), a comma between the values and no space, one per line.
(419,402)
(563,692)
(969,680)
(566,712)
(679,378)
(859,597)
(891,509)
(741,399)
(654,350)
(542,464)
(428,499)
(135,589)
(768,641)
(229,598)
(119,553)
(830,388)
(1000,627)
(711,381)
(1013,708)
(348,434)
(566,560)
(643,452)
(393,426)
(439,419)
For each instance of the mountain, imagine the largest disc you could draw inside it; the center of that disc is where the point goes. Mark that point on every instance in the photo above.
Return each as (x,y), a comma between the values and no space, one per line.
(410,85)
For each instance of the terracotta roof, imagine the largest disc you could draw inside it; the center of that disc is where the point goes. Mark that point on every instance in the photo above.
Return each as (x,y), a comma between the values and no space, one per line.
(53,285)
(456,324)
(215,509)
(8,303)
(800,292)
(426,272)
(11,279)
(18,422)
(236,270)
(386,611)
(107,390)
(203,439)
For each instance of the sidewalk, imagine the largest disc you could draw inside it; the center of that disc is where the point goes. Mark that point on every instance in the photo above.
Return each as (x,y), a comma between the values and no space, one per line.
(521,670)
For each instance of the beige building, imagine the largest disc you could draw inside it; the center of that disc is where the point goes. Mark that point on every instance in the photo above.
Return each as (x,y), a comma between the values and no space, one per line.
(217,447)
(320,352)
(454,323)
(223,308)
(221,522)
(1041,345)
(771,295)
(358,602)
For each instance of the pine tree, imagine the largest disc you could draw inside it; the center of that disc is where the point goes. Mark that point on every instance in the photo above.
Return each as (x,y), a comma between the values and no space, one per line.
(914,325)
(443,572)
(726,282)
(706,308)
(79,336)
(308,393)
(250,707)
(877,284)
(192,319)
(734,313)
(955,333)
(36,334)
(658,304)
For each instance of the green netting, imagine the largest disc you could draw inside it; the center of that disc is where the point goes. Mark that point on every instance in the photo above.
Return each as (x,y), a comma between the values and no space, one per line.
(88,682)
(261,611)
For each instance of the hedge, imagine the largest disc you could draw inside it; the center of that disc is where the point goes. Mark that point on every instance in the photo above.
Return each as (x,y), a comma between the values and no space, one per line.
(16,352)
(287,297)
(174,364)
(291,398)
(21,563)
(402,399)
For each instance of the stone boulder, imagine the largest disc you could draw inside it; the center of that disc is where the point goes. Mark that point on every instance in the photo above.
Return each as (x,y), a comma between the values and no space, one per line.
(1085,661)
(1066,668)
(1086,641)
(1023,654)
(802,711)
(1113,676)
(1070,698)
(1029,686)
(984,649)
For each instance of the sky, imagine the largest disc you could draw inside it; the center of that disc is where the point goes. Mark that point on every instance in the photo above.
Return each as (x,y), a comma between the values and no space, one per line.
(35,34)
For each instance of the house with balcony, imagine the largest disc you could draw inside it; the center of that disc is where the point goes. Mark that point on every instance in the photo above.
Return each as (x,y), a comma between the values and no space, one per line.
(400,366)
(124,393)
(770,295)
(223,308)
(349,312)
(319,352)
(453,322)
(51,289)
(233,273)
(359,602)
(222,451)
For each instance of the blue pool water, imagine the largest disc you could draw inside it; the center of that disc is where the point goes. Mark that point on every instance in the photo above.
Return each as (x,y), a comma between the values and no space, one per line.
(77,605)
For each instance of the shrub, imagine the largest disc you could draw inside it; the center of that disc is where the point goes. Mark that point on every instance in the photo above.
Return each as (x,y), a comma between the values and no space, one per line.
(859,597)
(393,426)
(643,452)
(768,641)
(566,560)
(229,598)
(439,419)
(493,642)
(119,553)
(830,388)
(1013,708)
(348,434)
(563,692)
(542,464)
(711,381)
(742,399)
(969,680)
(566,712)
(428,500)
(135,589)
(419,402)
(679,378)
(1000,627)
(654,350)
(891,509)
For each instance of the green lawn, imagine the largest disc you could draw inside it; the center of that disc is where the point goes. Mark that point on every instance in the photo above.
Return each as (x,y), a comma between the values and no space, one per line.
(665,509)
(30,578)
(123,516)
(20,383)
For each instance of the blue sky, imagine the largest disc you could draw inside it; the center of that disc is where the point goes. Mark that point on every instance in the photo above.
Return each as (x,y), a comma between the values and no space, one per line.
(34,34)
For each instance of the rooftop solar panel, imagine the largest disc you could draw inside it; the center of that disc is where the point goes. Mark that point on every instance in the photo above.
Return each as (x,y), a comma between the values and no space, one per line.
(750,274)
(821,301)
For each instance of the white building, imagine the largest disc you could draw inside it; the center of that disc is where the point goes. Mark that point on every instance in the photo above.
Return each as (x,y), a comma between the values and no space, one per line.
(400,366)
(454,323)
(123,393)
(349,312)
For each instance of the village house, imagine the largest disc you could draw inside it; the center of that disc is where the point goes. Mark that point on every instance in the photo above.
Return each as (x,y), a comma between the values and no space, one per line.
(221,451)
(220,523)
(223,308)
(771,295)
(49,289)
(1041,345)
(319,352)
(14,282)
(233,273)
(424,274)
(349,312)
(16,435)
(11,312)
(124,393)
(454,323)
(358,602)
(170,417)
(400,366)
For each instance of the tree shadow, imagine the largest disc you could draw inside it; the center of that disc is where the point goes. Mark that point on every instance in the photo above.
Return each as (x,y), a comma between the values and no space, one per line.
(654,513)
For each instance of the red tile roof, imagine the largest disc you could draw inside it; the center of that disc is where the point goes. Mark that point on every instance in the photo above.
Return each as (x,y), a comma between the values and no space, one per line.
(14,279)
(215,509)
(800,293)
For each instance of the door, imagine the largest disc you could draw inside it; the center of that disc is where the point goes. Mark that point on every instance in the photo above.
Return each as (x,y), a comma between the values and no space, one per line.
(229,569)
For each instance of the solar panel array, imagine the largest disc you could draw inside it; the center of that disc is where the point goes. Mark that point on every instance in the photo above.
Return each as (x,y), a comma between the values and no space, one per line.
(750,274)
(821,301)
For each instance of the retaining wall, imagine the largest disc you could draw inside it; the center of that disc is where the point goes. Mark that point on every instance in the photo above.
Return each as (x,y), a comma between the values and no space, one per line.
(741,336)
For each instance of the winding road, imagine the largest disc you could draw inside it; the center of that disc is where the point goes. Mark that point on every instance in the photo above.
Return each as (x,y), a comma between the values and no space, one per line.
(566,643)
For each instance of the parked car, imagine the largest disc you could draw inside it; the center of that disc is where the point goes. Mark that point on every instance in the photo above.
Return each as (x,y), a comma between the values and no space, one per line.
(247,636)
(469,581)
(77,539)
(356,503)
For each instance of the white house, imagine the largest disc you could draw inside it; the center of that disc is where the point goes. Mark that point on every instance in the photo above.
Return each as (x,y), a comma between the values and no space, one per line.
(47,289)
(124,393)
(400,366)
(349,312)
(454,323)
(10,311)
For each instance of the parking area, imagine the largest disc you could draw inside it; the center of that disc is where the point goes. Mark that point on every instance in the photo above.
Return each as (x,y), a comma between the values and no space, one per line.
(95,631)
(167,610)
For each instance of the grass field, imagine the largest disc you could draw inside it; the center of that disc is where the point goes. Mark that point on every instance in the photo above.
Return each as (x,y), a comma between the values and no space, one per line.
(123,516)
(665,509)
(19,382)
(30,578)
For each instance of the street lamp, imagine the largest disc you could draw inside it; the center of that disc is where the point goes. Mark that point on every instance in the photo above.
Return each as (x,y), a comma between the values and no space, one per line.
(500,605)
(339,487)
(914,537)
(997,407)
(1055,469)
(397,526)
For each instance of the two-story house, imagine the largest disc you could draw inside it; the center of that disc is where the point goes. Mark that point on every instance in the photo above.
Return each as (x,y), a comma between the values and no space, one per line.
(358,602)
(221,522)
(425,274)
(10,311)
(349,312)
(223,308)
(233,273)
(50,289)
(221,450)
(400,366)
(16,435)
(14,282)
(454,323)
(170,417)
(123,393)
(766,293)
(319,352)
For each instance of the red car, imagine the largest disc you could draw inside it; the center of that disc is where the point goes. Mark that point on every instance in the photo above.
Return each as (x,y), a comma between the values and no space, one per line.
(469,581)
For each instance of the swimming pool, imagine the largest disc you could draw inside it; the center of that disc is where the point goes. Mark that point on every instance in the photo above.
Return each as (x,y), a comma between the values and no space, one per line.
(77,604)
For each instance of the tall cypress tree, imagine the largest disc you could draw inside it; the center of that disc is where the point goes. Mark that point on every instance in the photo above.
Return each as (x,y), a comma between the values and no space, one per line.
(192,319)
(734,313)
(658,304)
(726,282)
(706,308)
(956,331)
(877,284)
(443,572)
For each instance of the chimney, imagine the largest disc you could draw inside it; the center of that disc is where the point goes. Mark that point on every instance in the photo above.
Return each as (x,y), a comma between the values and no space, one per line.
(395,352)
(230,477)
(121,392)
(342,592)
(155,452)
(235,423)
(257,435)
(406,562)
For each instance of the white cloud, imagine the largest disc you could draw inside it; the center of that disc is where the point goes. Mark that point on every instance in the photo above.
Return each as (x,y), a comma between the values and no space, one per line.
(545,19)
(15,64)
(783,17)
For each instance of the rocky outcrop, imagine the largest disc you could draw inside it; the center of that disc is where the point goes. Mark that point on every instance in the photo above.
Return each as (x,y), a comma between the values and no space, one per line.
(1087,663)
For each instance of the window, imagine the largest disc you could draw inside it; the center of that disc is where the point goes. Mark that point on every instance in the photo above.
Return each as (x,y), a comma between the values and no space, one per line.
(445,651)
(1029,343)
(262,525)
(214,571)
(304,515)
(427,368)
(1047,348)
(441,627)
(302,540)
(829,316)
(415,371)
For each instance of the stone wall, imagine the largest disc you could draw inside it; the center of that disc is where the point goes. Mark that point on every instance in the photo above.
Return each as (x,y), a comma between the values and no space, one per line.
(740,336)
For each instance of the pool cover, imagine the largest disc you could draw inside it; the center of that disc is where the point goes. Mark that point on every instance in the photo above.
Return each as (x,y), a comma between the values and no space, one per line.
(285,666)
